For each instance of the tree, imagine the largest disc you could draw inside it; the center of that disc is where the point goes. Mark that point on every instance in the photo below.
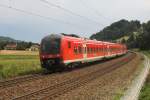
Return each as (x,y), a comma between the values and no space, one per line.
(117,30)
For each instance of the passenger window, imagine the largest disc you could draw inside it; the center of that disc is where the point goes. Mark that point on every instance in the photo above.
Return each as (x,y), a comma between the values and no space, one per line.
(75,50)
(80,49)
(88,49)
(69,44)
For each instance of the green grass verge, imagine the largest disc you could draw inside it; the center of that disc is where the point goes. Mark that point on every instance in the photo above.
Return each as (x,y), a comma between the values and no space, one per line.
(15,65)
(119,94)
(145,92)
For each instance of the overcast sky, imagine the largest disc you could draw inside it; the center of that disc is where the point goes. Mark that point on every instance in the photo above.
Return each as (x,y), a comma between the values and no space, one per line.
(87,18)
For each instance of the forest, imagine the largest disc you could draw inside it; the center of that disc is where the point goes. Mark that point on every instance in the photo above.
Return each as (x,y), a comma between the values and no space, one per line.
(132,33)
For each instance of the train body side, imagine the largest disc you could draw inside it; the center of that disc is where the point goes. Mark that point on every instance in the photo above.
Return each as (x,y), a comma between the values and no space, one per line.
(78,50)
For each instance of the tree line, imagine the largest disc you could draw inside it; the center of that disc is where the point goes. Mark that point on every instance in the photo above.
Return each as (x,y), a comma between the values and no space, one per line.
(21,45)
(138,34)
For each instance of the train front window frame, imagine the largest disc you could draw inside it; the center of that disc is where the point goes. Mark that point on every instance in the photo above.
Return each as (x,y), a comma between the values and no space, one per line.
(51,46)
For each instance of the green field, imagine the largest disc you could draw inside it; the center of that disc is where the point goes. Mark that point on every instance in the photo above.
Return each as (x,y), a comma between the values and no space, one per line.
(15,65)
(145,92)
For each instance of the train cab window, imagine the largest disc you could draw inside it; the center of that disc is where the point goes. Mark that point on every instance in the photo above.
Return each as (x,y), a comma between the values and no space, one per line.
(69,44)
(51,45)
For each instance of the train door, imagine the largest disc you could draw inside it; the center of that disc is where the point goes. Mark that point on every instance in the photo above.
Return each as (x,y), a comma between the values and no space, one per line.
(84,51)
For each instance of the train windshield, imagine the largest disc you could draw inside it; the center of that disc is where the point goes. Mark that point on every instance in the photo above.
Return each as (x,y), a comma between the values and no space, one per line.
(51,46)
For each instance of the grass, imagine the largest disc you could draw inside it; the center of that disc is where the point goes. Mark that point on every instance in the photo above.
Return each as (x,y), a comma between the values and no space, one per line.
(145,92)
(147,53)
(119,94)
(125,37)
(16,65)
(18,57)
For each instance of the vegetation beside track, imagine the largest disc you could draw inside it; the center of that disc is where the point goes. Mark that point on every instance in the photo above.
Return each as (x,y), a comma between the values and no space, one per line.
(12,65)
(145,92)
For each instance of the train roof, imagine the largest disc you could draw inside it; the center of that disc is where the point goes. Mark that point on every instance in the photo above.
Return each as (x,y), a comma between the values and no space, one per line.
(52,36)
(78,39)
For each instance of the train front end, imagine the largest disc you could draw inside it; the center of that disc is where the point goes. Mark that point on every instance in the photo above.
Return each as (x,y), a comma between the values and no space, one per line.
(50,52)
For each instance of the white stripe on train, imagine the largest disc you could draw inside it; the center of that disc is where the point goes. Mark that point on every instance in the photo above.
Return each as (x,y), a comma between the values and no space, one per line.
(92,59)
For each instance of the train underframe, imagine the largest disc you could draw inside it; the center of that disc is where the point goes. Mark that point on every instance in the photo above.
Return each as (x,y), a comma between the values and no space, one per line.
(53,64)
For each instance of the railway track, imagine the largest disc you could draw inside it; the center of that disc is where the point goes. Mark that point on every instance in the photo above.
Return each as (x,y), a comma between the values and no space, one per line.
(68,85)
(28,78)
(11,82)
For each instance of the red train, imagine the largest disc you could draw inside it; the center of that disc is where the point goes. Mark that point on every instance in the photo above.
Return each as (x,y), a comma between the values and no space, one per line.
(59,50)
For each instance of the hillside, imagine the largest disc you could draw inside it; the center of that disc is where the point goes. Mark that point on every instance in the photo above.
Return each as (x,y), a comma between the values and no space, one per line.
(117,30)
(21,45)
(132,33)
(7,39)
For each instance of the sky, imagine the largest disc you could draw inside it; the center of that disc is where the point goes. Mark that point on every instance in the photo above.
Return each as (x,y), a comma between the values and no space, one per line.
(31,20)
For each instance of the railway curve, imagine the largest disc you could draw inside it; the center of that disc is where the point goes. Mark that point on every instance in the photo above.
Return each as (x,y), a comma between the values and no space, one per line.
(68,85)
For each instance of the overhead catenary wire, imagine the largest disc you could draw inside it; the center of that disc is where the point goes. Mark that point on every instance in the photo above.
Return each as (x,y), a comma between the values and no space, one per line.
(9,3)
(96,11)
(70,12)
(41,16)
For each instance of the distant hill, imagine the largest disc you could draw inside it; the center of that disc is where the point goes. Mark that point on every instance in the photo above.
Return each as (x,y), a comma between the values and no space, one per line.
(117,30)
(132,33)
(21,45)
(6,39)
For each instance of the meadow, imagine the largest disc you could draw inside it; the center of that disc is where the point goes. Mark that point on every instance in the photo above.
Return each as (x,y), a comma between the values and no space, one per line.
(16,63)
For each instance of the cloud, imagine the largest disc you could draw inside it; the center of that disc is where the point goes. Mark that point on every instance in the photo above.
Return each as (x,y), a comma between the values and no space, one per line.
(104,12)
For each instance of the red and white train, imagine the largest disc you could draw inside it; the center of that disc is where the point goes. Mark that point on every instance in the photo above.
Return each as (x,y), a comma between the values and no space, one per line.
(59,50)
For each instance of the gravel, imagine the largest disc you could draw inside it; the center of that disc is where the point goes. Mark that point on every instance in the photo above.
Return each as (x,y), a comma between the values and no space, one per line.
(134,90)
(108,86)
